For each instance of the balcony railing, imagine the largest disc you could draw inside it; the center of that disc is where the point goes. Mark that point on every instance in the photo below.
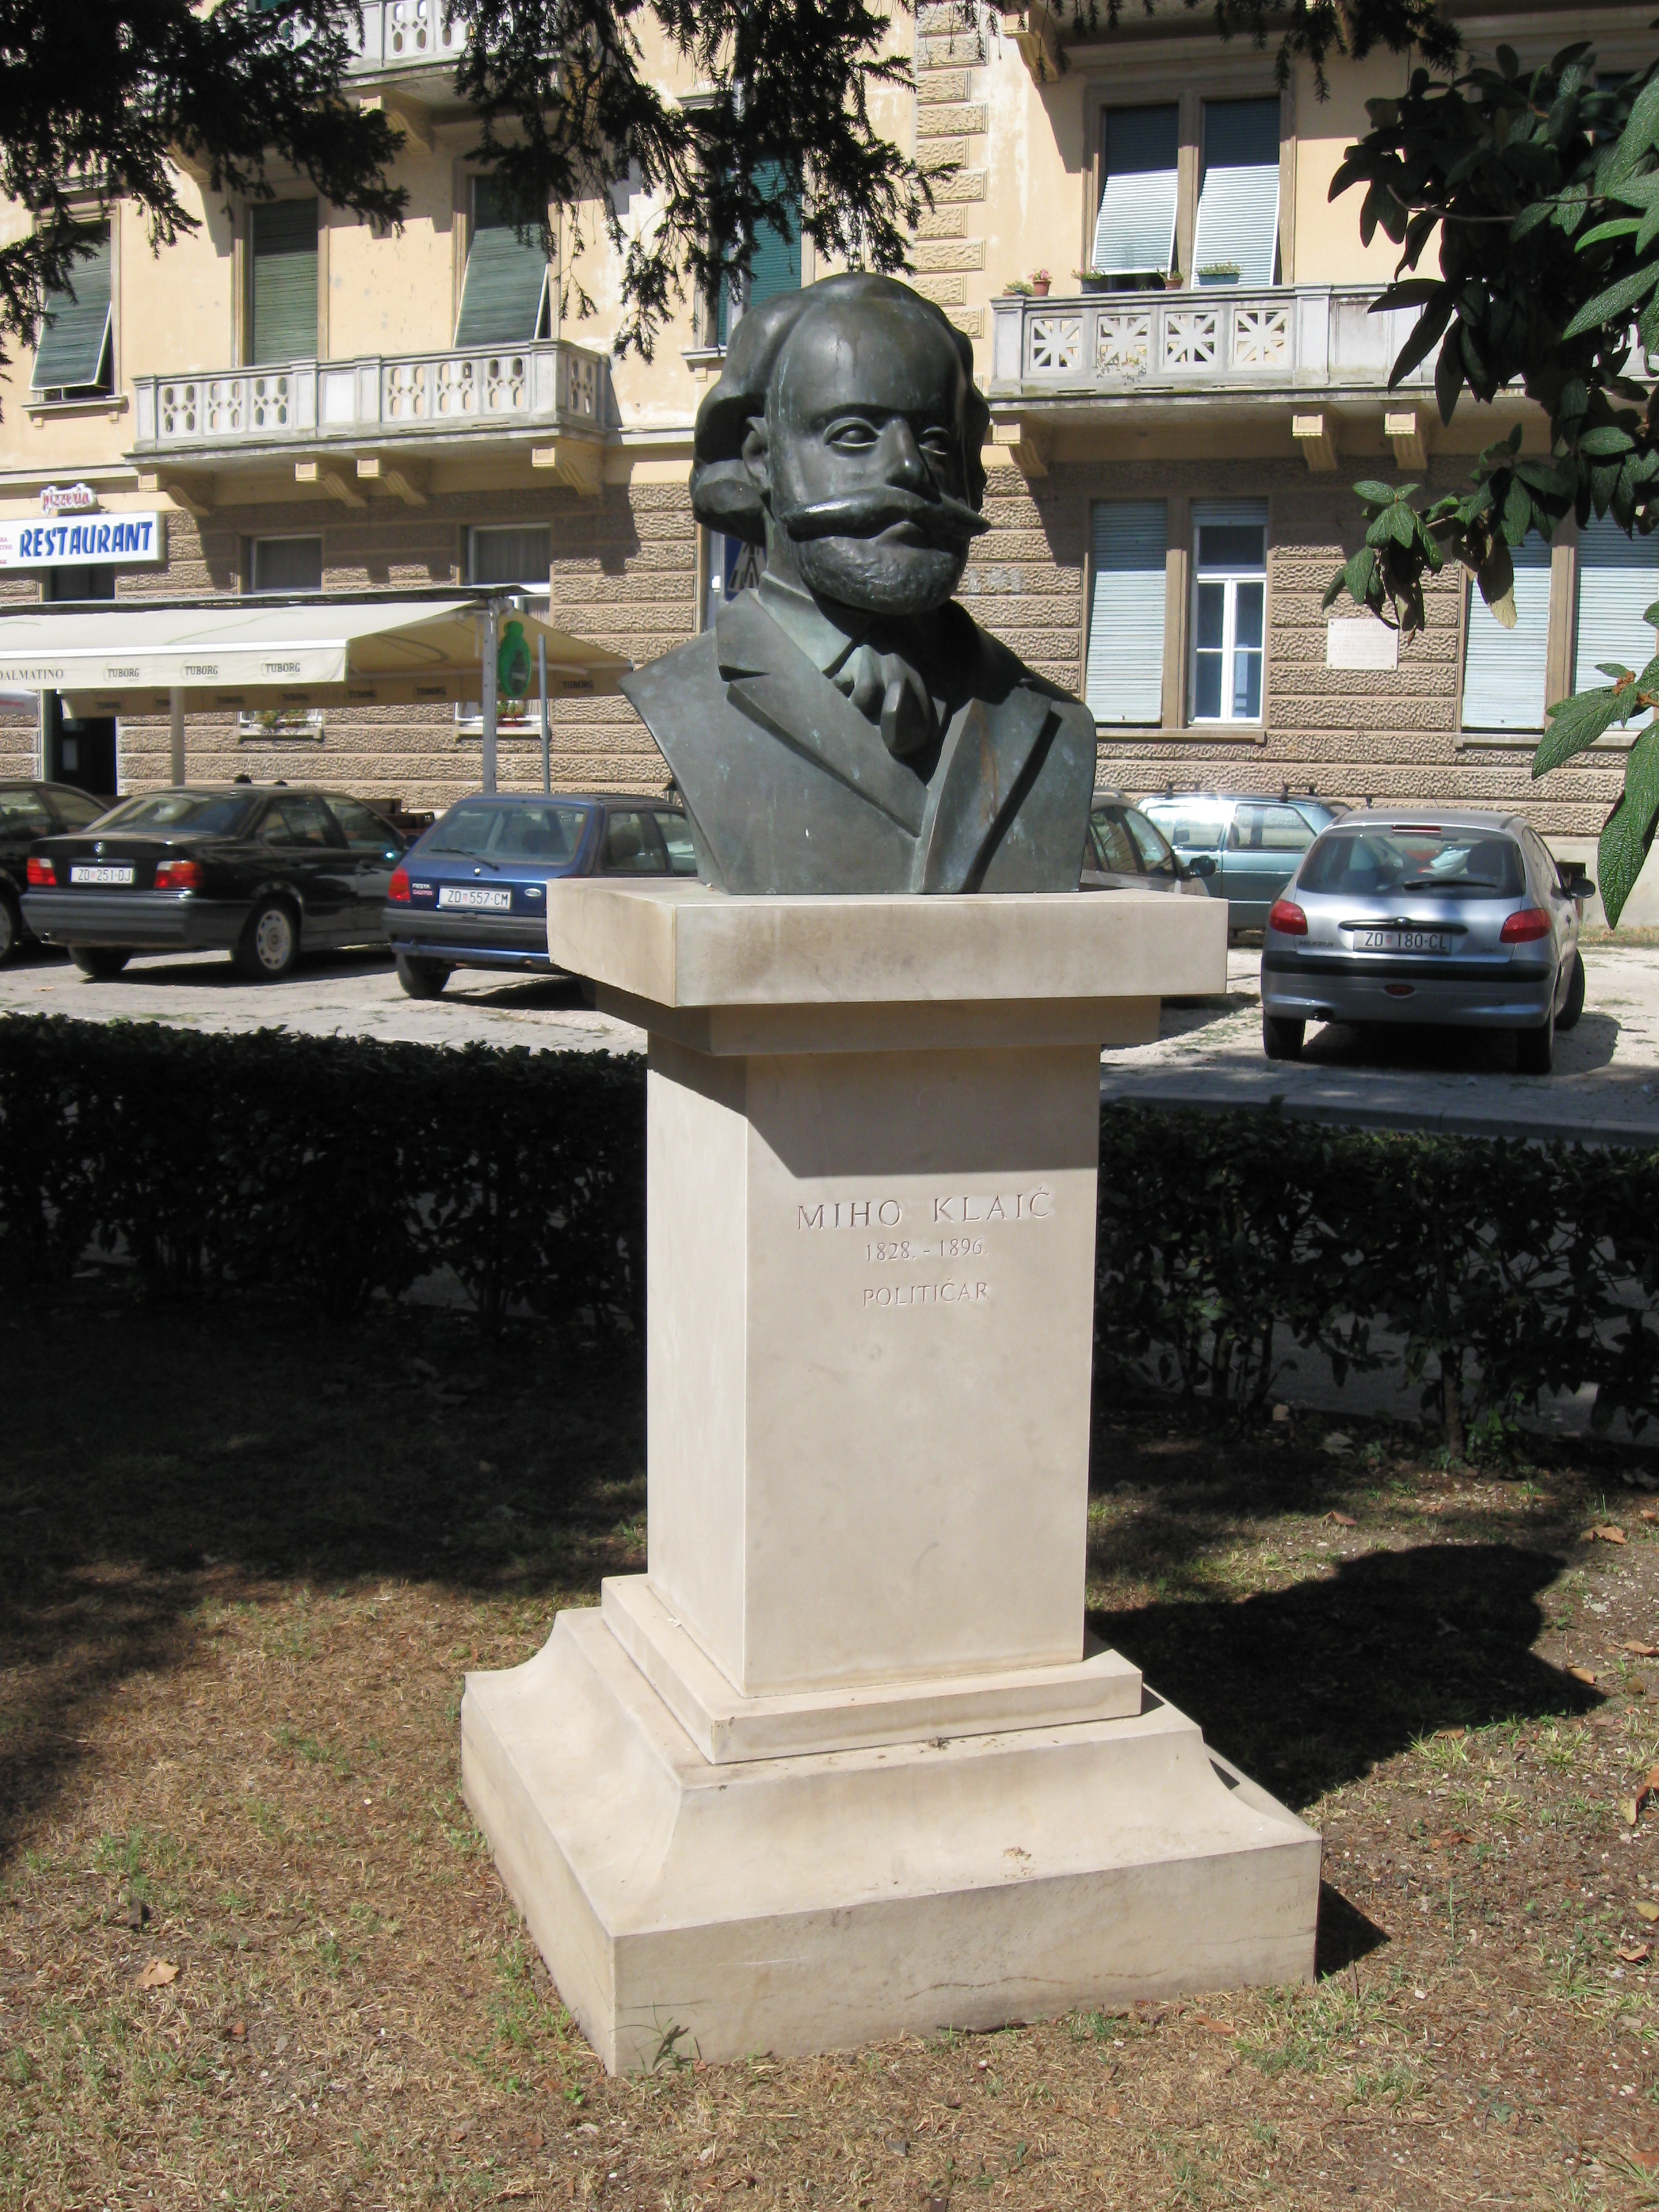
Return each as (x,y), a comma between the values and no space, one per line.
(415,396)
(400,35)
(1215,339)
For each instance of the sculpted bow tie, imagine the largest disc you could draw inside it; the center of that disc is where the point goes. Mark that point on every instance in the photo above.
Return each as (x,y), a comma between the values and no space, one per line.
(885,687)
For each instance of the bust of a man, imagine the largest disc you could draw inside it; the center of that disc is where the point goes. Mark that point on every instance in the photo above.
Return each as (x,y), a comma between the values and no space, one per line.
(846,726)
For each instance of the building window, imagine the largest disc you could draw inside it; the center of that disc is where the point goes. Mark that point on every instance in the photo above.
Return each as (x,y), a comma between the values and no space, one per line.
(1618,582)
(1505,671)
(1135,231)
(74,358)
(285,564)
(1236,239)
(1124,681)
(505,295)
(1230,607)
(522,558)
(282,282)
(776,265)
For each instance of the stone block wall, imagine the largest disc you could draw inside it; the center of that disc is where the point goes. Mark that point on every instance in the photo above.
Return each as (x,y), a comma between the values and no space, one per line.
(1354,733)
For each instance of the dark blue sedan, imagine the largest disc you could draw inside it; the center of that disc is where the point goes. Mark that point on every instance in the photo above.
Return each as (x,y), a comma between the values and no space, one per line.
(472,893)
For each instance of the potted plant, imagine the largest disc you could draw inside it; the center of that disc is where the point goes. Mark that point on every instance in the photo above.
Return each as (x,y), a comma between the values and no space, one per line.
(1017,288)
(1219,272)
(1039,283)
(1093,280)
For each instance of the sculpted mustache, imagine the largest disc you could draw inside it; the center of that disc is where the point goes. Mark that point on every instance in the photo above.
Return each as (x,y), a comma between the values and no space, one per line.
(862,514)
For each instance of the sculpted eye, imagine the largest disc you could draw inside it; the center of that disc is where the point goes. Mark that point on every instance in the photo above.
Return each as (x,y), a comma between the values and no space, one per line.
(853,436)
(940,443)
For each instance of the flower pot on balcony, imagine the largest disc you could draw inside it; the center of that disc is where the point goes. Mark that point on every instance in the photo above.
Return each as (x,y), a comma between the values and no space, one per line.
(1219,272)
(1039,291)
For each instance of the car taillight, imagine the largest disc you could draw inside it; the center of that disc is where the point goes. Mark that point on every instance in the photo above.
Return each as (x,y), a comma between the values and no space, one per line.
(41,874)
(179,876)
(397,889)
(1288,918)
(1525,927)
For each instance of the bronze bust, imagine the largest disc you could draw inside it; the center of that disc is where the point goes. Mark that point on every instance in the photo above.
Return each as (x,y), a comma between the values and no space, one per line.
(846,726)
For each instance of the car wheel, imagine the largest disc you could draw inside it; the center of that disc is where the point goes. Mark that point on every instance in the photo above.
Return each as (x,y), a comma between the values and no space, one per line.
(270,943)
(101,961)
(421,979)
(1535,1049)
(11,929)
(1573,1005)
(1281,1039)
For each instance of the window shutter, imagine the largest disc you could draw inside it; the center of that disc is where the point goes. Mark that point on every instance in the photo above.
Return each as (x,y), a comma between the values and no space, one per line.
(502,292)
(1504,670)
(76,333)
(1618,582)
(775,266)
(1125,677)
(282,235)
(1134,234)
(1239,203)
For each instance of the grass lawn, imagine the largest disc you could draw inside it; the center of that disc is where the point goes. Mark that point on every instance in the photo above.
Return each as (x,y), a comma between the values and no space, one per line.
(252,1951)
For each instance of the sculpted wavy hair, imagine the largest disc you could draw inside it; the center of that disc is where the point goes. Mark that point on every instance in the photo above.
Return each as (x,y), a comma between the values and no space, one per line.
(723,493)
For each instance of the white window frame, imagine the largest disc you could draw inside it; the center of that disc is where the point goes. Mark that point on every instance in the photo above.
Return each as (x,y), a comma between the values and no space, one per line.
(1251,513)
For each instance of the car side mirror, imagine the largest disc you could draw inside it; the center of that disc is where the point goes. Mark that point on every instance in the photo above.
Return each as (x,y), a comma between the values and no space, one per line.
(1581,887)
(1201,864)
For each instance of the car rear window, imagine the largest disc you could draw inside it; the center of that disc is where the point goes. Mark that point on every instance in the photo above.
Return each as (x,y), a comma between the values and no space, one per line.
(550,834)
(201,813)
(1374,863)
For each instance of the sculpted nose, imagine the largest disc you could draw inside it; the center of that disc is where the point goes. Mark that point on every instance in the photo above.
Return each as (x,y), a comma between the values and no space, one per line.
(906,463)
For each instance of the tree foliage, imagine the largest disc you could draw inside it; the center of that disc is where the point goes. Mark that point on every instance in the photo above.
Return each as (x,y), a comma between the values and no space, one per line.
(95,98)
(1540,189)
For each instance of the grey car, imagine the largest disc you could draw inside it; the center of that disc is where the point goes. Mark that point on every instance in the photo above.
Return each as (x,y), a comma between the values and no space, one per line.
(1253,844)
(1426,915)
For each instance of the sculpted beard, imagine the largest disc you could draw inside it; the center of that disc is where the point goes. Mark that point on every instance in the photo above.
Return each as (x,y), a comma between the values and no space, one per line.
(885,553)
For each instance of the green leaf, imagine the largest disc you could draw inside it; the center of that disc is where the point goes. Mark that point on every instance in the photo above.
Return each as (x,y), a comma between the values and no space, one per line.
(1375,494)
(1621,226)
(1636,137)
(1606,440)
(1517,512)
(1496,578)
(1617,300)
(1448,381)
(1628,830)
(1431,326)
(1576,723)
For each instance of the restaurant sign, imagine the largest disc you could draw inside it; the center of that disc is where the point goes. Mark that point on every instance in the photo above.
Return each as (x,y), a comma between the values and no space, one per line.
(121,541)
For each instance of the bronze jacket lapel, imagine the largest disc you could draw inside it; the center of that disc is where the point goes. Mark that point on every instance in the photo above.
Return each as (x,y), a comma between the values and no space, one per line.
(990,754)
(773,682)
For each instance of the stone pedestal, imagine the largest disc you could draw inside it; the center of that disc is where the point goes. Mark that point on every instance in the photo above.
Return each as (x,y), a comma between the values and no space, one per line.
(842,1763)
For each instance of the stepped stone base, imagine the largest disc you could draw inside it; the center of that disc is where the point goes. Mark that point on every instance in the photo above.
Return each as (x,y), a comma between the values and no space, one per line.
(826,1899)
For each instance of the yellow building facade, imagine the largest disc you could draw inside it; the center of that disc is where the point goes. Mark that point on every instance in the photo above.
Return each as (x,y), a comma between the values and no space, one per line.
(1170,318)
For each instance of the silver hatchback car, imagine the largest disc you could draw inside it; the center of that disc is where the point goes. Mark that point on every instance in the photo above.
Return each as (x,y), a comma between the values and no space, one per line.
(1426,915)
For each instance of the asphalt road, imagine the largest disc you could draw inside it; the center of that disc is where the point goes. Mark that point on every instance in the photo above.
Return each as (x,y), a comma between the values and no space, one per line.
(1605,1081)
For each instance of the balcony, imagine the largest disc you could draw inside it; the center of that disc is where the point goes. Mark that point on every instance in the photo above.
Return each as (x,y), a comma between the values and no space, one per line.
(406,34)
(426,399)
(1217,343)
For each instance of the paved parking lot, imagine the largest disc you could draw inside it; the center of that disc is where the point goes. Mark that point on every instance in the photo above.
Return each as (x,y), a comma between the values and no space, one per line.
(1606,1078)
(342,994)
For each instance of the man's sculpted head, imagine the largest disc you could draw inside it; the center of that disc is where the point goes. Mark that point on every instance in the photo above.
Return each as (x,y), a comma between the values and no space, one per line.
(846,432)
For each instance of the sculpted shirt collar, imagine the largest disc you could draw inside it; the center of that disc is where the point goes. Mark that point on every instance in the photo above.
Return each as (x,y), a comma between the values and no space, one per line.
(805,624)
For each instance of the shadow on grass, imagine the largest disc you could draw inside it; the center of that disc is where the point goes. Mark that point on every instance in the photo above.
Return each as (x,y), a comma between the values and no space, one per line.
(1311,1686)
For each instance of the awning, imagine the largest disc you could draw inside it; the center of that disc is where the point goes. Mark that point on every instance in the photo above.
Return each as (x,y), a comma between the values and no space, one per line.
(127,656)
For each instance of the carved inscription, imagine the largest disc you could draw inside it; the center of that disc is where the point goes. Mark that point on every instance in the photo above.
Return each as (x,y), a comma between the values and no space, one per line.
(946,1225)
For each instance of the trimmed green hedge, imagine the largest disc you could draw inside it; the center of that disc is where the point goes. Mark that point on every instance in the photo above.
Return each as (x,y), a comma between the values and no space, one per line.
(329,1169)
(332,1169)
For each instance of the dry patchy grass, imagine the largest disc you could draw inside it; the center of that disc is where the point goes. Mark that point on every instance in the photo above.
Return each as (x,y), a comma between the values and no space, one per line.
(244,1567)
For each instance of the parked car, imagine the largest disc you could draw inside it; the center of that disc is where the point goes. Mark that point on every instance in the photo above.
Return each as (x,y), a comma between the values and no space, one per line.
(263,873)
(1413,915)
(1255,842)
(28,810)
(473,891)
(1125,852)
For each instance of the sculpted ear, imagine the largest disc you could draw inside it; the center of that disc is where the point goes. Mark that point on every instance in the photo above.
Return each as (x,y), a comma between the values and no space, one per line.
(757,455)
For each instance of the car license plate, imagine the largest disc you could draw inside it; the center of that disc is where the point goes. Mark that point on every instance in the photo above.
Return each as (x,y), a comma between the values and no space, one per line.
(86,872)
(1402,940)
(487,895)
